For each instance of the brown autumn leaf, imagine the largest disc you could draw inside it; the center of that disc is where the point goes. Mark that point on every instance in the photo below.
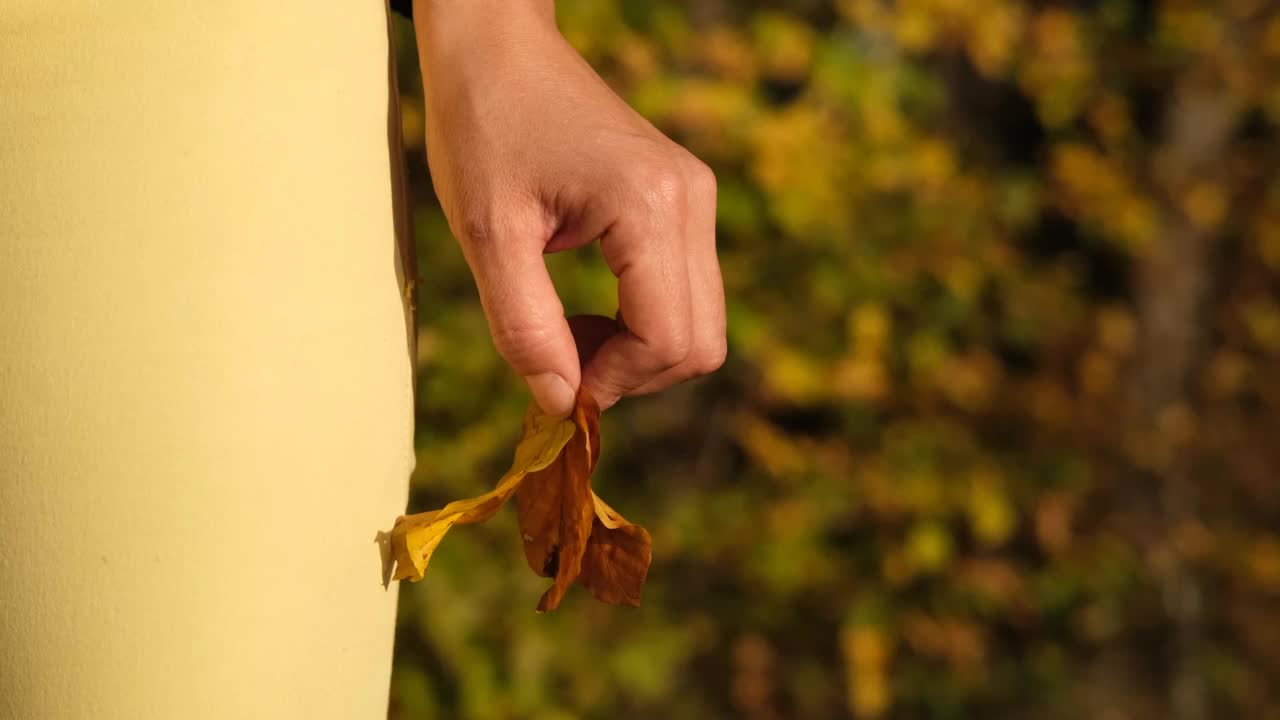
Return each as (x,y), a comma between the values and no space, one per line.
(617,558)
(569,533)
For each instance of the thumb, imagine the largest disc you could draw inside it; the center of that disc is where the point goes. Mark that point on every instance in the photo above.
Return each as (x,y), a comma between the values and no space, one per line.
(525,316)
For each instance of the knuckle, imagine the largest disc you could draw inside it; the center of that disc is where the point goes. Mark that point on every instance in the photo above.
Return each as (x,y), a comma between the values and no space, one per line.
(702,179)
(671,351)
(710,358)
(476,229)
(495,224)
(521,343)
(660,185)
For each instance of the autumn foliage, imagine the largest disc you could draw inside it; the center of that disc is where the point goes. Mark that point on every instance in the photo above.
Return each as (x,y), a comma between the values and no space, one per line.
(997,433)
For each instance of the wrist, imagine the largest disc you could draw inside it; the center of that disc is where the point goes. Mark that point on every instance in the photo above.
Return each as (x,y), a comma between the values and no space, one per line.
(462,43)
(444,26)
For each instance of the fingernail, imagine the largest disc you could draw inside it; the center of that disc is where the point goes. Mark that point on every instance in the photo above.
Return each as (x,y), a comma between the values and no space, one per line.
(552,393)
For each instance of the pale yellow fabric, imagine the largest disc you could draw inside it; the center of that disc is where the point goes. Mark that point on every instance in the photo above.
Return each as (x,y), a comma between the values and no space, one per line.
(205,394)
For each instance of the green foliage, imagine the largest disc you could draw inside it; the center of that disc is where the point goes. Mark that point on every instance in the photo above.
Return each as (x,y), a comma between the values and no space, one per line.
(996,436)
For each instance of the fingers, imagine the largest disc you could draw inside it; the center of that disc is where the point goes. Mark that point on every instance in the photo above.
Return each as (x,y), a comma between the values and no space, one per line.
(664,340)
(645,249)
(659,240)
(705,285)
(525,316)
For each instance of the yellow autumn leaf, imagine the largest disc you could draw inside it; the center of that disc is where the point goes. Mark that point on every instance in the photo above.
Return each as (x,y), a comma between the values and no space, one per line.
(415,537)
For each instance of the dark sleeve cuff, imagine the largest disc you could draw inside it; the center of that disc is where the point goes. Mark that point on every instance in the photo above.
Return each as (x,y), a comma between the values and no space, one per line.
(404,7)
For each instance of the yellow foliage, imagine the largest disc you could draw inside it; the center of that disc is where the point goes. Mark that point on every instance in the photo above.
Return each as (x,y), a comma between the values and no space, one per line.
(933,219)
(932,163)
(929,546)
(1059,70)
(882,122)
(729,54)
(866,654)
(963,278)
(770,448)
(870,695)
(1056,34)
(794,376)
(991,514)
(866,648)
(915,27)
(710,106)
(637,56)
(785,46)
(869,326)
(993,36)
(1100,191)
(860,377)
(798,161)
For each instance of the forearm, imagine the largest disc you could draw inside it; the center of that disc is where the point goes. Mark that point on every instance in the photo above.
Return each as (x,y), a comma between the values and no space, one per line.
(447,29)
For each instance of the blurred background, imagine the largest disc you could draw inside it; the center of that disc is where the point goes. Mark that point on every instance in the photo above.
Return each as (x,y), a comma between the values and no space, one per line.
(999,431)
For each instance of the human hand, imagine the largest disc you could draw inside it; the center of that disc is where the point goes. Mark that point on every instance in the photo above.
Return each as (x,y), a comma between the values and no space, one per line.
(531,152)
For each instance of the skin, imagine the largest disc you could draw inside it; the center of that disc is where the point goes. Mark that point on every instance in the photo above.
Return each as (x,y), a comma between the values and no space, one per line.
(531,152)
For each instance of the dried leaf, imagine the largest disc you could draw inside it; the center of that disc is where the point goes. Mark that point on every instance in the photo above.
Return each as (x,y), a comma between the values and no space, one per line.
(617,558)
(415,537)
(557,522)
(569,533)
(538,506)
